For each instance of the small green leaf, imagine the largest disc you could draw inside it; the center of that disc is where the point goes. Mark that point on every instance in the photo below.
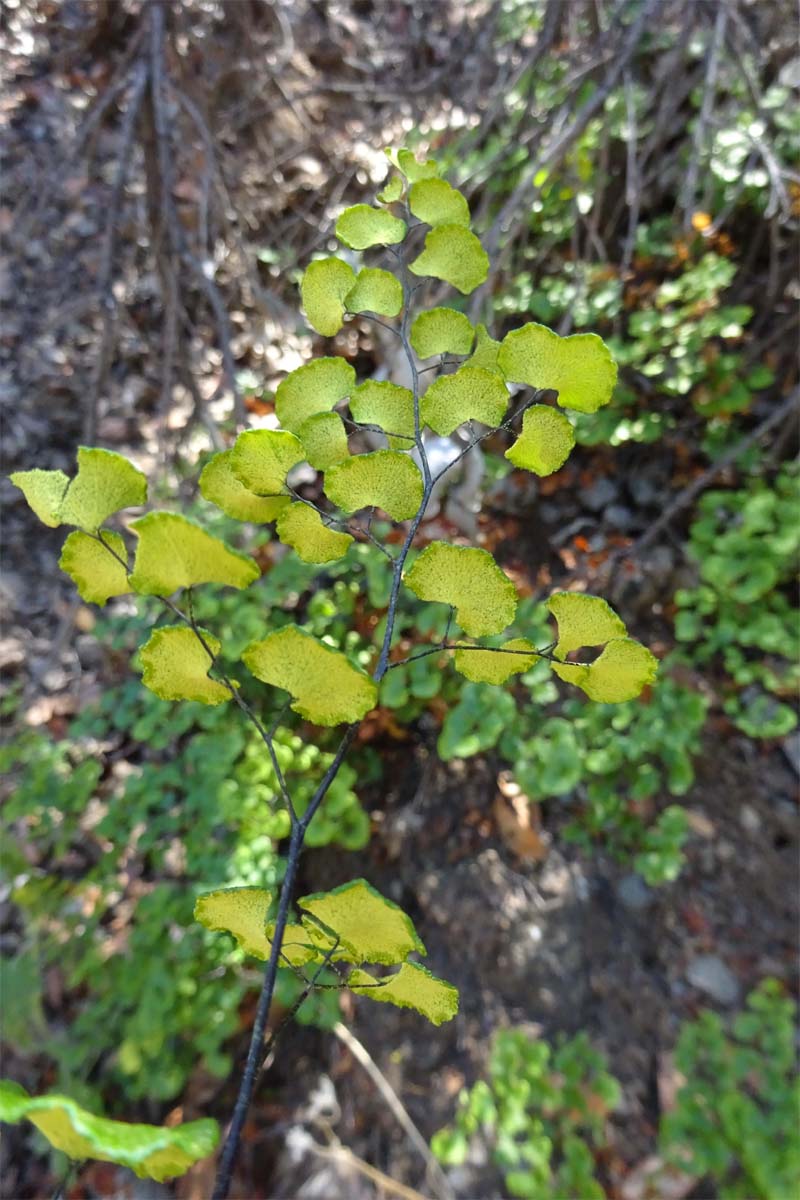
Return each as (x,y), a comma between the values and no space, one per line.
(493,666)
(455,255)
(242,911)
(485,352)
(327,689)
(219,485)
(324,439)
(393,191)
(313,388)
(105,483)
(620,673)
(545,442)
(470,581)
(302,528)
(472,394)
(583,621)
(96,573)
(407,162)
(174,552)
(44,491)
(362,226)
(370,927)
(175,666)
(262,458)
(150,1151)
(580,367)
(378,402)
(441,331)
(437,203)
(375,291)
(385,479)
(325,284)
(413,986)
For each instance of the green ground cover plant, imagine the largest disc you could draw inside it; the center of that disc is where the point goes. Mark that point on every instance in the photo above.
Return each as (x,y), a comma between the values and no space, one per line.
(421,225)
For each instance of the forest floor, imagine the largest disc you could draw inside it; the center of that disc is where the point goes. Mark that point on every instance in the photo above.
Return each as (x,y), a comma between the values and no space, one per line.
(573,942)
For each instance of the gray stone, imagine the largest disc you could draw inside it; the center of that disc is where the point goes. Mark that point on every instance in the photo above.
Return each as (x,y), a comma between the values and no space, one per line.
(634,893)
(619,516)
(709,974)
(600,494)
(643,490)
(791,748)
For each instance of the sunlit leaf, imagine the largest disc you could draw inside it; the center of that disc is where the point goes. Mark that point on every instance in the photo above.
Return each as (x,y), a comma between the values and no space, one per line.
(455,255)
(407,162)
(362,226)
(242,912)
(44,491)
(441,331)
(472,394)
(325,284)
(326,688)
(174,552)
(393,191)
(545,442)
(387,405)
(485,352)
(175,666)
(324,439)
(413,986)
(219,485)
(580,367)
(96,573)
(385,479)
(302,528)
(150,1151)
(370,928)
(620,673)
(262,458)
(437,203)
(495,666)
(375,291)
(470,581)
(313,388)
(105,483)
(583,621)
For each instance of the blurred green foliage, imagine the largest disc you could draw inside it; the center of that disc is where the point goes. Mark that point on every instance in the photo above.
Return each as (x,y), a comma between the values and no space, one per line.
(736,1113)
(540,1113)
(742,615)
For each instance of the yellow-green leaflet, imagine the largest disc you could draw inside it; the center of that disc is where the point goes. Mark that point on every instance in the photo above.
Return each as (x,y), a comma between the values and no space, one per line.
(470,581)
(580,367)
(175,665)
(413,986)
(386,479)
(370,927)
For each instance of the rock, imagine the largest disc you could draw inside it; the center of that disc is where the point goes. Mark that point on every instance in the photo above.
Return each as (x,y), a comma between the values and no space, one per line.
(709,974)
(749,819)
(599,494)
(619,516)
(791,748)
(643,490)
(634,893)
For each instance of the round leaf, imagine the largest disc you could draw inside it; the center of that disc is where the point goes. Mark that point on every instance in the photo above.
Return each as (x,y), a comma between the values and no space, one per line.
(44,491)
(325,284)
(545,442)
(495,666)
(392,191)
(150,1151)
(455,255)
(441,331)
(362,226)
(97,574)
(324,439)
(472,394)
(583,621)
(326,688)
(378,402)
(262,458)
(412,168)
(385,479)
(485,352)
(620,673)
(313,388)
(375,291)
(242,911)
(105,483)
(302,528)
(175,666)
(580,367)
(413,986)
(219,485)
(370,927)
(470,581)
(174,552)
(437,203)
